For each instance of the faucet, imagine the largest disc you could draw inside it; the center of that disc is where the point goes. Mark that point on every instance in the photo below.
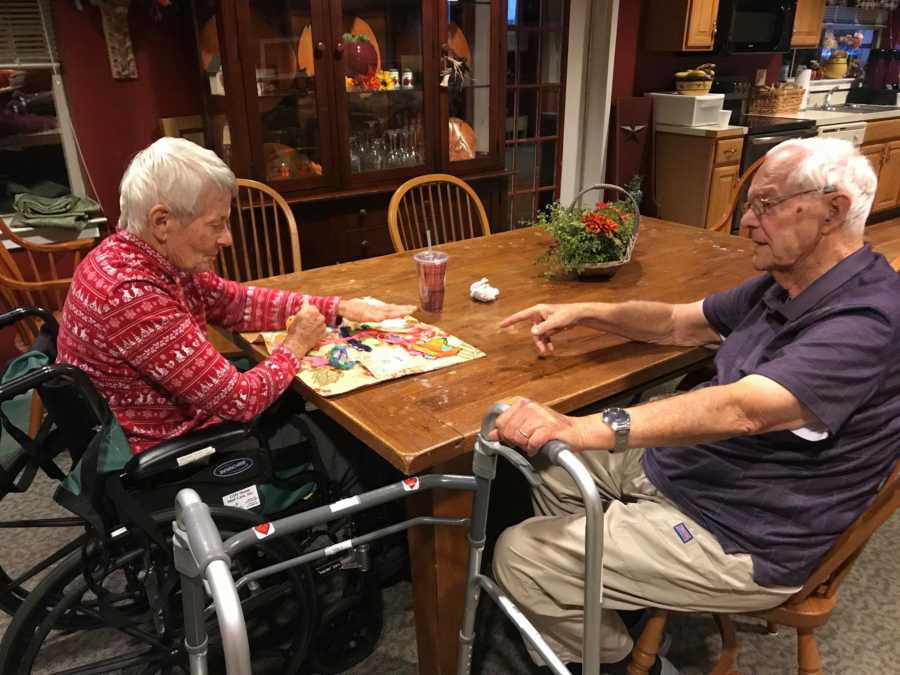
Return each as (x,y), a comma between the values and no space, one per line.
(827,105)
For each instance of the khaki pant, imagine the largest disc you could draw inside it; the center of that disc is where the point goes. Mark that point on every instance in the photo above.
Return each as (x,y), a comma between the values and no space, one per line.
(540,562)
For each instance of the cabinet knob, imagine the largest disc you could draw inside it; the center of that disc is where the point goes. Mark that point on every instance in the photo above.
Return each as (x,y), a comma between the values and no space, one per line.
(364,244)
(363,213)
(320,49)
(339,49)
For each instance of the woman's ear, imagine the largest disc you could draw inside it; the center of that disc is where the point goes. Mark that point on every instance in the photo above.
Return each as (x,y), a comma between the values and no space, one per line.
(158,223)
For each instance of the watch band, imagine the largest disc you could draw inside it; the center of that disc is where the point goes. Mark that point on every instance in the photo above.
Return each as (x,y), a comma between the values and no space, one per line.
(619,421)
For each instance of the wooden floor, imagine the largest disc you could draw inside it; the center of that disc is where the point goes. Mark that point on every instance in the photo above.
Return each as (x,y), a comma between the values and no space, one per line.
(885,237)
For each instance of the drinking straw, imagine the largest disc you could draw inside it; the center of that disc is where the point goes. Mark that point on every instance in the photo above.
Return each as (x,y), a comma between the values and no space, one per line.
(428,238)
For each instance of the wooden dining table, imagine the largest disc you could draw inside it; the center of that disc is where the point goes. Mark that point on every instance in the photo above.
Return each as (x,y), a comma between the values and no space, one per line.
(428,422)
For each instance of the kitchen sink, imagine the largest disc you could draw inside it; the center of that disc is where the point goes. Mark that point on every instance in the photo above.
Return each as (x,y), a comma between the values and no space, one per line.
(861,108)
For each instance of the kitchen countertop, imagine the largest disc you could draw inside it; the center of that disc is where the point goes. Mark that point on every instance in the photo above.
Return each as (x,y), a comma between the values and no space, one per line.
(711,131)
(821,117)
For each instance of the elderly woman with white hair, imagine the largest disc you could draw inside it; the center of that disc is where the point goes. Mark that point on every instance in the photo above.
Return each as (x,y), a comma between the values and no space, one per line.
(725,498)
(135,318)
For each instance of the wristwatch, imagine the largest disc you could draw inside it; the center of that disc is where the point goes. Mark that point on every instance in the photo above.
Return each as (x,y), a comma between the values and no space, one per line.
(619,421)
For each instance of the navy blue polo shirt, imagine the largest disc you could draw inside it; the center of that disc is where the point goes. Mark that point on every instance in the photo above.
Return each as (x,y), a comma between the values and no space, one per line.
(784,497)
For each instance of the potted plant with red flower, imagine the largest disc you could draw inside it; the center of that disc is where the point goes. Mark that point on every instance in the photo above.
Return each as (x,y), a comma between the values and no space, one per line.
(593,241)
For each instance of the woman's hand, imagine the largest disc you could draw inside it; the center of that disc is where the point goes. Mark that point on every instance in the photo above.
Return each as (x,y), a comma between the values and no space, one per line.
(304,330)
(357,309)
(529,426)
(547,320)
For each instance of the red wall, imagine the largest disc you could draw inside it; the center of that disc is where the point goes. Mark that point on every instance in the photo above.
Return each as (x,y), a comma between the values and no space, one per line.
(116,118)
(638,71)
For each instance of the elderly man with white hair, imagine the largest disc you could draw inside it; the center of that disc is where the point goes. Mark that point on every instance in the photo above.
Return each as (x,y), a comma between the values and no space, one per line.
(135,318)
(726,497)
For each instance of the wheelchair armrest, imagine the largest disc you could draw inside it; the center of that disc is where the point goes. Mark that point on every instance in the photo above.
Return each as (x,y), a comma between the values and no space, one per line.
(164,457)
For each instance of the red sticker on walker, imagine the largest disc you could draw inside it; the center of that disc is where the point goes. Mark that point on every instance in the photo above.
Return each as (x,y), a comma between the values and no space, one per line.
(410,484)
(263,530)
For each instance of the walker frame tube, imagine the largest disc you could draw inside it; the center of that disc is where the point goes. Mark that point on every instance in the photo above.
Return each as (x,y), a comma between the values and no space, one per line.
(201,554)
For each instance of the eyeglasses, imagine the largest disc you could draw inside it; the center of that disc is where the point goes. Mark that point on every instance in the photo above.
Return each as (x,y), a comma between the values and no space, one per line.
(762,205)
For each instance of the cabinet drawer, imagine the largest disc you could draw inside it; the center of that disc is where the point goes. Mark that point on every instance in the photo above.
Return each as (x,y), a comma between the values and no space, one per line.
(882,130)
(728,151)
(364,232)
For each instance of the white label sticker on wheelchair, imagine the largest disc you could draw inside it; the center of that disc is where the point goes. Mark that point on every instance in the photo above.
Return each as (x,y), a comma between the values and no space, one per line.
(410,484)
(192,457)
(263,530)
(245,498)
(338,547)
(344,504)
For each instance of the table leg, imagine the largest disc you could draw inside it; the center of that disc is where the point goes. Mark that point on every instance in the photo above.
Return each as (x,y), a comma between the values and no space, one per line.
(438,558)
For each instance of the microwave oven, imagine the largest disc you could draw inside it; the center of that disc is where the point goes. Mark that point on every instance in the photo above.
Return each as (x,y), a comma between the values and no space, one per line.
(755,26)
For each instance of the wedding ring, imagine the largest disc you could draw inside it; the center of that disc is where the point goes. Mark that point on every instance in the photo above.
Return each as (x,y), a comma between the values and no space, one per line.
(522,433)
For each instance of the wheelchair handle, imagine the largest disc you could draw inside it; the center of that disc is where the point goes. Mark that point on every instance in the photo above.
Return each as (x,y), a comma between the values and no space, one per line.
(560,454)
(20,313)
(205,544)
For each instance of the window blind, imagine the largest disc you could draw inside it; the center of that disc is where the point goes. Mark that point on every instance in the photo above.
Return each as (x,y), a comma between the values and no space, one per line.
(23,34)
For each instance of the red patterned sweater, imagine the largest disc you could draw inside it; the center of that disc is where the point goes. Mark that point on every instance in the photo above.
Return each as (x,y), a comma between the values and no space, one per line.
(137,326)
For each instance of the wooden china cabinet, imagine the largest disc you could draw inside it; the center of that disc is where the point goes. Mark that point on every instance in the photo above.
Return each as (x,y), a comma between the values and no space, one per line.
(335,103)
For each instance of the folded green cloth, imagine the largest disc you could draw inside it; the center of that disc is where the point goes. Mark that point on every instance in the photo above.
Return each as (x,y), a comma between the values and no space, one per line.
(68,211)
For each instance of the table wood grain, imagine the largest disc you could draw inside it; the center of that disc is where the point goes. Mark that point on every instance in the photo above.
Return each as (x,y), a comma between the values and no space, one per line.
(419,421)
(429,421)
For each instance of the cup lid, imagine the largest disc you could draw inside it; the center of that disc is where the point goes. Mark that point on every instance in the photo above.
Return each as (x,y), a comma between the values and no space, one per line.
(431,257)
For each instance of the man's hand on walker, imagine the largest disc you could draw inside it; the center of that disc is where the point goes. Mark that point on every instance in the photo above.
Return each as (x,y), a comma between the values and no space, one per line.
(529,425)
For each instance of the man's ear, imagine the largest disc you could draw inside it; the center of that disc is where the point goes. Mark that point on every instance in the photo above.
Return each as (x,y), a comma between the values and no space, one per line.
(838,208)
(158,222)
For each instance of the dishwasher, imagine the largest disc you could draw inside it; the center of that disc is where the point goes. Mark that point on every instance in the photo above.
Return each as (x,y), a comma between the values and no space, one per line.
(849,131)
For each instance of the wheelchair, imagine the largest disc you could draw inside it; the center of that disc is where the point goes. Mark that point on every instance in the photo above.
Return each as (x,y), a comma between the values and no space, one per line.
(114,588)
(204,560)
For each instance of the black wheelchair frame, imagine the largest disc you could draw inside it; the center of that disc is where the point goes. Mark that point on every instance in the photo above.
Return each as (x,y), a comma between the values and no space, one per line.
(131,538)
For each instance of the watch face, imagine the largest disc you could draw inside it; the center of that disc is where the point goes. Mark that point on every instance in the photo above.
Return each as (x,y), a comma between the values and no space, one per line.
(616,417)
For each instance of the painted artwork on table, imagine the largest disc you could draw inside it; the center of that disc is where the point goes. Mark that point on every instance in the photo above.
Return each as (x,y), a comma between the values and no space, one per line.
(361,354)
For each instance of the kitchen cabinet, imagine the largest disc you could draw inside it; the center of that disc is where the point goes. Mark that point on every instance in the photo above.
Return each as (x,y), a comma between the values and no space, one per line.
(808,24)
(680,25)
(694,176)
(335,103)
(881,146)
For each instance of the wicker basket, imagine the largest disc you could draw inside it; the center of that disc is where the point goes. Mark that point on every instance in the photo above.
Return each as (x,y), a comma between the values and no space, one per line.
(776,100)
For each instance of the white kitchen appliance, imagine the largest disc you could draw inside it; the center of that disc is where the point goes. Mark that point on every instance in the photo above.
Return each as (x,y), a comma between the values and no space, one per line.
(850,131)
(687,111)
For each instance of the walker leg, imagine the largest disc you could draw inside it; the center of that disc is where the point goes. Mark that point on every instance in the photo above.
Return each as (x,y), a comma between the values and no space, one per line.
(477,535)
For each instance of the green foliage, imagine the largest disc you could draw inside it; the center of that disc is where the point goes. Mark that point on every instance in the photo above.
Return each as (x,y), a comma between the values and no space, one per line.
(575,246)
(352,37)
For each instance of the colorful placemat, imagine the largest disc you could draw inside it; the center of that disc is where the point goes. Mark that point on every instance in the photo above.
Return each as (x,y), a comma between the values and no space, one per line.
(361,354)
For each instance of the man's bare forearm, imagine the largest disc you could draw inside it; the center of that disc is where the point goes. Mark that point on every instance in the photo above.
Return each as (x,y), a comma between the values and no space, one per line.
(752,405)
(636,320)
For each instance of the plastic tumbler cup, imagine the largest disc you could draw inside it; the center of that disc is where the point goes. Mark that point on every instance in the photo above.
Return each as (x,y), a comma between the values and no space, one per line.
(431,267)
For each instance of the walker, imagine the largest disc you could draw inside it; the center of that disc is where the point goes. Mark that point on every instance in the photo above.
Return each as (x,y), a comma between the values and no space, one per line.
(201,555)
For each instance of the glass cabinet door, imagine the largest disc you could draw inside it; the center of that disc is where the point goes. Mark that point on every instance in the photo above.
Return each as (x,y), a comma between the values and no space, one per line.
(287,92)
(379,65)
(469,47)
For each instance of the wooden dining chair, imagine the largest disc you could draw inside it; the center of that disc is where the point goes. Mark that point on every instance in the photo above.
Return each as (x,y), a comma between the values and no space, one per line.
(805,611)
(35,279)
(37,282)
(895,263)
(264,230)
(444,205)
(265,243)
(724,224)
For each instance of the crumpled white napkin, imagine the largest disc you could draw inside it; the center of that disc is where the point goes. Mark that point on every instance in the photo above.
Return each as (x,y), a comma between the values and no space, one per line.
(482,291)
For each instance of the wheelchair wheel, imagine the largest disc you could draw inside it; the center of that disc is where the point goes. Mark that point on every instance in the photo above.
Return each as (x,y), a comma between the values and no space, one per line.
(136,607)
(51,532)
